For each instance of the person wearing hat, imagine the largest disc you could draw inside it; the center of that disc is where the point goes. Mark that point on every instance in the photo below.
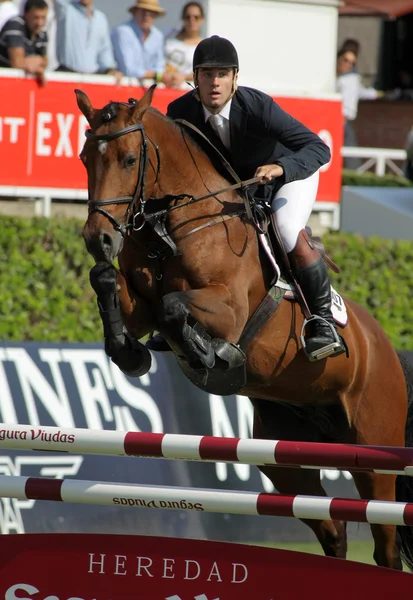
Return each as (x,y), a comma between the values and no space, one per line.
(259,139)
(139,45)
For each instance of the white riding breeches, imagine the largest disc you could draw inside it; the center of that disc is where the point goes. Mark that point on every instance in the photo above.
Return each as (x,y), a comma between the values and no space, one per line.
(292,206)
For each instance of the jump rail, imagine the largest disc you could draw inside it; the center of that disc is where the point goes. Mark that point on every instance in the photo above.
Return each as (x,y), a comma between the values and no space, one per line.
(381,459)
(205,500)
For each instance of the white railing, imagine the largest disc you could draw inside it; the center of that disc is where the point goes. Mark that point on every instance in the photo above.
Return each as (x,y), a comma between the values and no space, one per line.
(380,158)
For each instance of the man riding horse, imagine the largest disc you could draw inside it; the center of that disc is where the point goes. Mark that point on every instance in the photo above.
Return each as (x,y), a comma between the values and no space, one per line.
(260,139)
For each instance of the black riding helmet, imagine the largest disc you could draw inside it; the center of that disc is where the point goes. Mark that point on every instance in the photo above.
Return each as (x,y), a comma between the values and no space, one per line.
(215,52)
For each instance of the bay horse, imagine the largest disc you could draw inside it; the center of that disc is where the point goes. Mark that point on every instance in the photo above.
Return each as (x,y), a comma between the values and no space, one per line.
(190,266)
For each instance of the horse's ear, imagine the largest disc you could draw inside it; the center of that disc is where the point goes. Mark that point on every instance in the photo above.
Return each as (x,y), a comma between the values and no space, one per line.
(144,103)
(85,105)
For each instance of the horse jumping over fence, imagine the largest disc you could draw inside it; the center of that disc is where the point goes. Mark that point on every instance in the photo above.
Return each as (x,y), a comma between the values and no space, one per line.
(190,266)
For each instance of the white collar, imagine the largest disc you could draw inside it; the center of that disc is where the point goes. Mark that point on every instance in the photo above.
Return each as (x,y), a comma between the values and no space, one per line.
(224,112)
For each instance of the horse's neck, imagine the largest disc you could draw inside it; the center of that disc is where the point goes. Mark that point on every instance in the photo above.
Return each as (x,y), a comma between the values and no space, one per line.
(188,165)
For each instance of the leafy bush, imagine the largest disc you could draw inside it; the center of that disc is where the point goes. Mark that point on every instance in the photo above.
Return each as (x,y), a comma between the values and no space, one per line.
(44,278)
(377,274)
(372,180)
(46,294)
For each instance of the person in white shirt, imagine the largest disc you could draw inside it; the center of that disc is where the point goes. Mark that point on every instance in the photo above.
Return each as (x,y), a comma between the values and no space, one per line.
(180,46)
(7,11)
(351,89)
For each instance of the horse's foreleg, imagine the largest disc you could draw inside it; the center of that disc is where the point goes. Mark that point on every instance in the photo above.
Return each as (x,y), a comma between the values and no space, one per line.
(112,295)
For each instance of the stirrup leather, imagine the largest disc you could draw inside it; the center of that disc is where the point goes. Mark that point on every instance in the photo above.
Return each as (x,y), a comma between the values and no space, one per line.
(333,349)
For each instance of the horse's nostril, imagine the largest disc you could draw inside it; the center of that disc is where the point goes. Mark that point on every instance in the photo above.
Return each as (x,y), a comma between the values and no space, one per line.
(106,240)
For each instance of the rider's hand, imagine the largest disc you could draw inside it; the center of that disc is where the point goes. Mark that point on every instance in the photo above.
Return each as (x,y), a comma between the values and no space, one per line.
(268,172)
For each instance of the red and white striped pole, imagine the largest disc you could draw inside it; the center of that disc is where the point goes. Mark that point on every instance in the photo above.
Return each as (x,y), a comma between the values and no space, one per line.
(205,500)
(381,459)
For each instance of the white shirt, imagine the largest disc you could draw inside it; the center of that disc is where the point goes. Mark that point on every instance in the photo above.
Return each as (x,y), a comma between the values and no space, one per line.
(223,131)
(178,56)
(348,85)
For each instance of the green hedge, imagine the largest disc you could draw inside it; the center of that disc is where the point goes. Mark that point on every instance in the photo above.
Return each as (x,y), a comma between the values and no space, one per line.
(377,273)
(46,295)
(44,282)
(372,180)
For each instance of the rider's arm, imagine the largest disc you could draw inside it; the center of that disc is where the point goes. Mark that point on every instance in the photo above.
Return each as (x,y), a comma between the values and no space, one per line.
(309,152)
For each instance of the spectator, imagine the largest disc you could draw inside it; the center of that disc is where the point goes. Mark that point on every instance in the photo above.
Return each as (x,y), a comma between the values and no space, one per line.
(351,45)
(52,63)
(365,93)
(179,49)
(139,45)
(7,11)
(83,39)
(23,41)
(348,84)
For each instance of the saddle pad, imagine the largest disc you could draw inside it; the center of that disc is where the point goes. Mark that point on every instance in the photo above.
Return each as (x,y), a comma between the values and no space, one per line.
(338,308)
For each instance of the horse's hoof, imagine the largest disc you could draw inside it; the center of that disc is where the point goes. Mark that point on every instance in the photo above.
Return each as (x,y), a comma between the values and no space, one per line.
(134,360)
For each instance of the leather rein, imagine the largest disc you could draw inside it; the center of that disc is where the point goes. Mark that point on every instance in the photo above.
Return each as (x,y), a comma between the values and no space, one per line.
(139,211)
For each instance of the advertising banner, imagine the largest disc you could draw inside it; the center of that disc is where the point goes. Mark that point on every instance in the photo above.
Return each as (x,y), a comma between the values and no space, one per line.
(76,385)
(112,567)
(42,131)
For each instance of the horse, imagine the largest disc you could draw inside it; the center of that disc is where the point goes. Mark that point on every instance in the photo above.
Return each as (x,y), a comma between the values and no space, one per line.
(191,267)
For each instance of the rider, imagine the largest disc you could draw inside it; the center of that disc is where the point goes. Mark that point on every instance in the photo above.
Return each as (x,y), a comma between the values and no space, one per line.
(259,139)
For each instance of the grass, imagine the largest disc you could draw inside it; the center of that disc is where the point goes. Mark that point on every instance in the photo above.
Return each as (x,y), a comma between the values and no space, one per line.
(359,551)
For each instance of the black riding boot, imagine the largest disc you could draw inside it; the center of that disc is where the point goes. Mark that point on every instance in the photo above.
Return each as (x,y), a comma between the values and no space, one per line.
(321,337)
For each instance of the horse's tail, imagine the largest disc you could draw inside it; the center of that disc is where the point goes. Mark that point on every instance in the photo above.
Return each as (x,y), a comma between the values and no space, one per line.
(404,484)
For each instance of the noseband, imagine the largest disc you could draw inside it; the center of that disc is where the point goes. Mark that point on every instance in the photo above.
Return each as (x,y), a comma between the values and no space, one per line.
(134,211)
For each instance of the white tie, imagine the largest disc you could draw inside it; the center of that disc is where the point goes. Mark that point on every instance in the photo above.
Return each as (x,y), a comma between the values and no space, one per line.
(221,128)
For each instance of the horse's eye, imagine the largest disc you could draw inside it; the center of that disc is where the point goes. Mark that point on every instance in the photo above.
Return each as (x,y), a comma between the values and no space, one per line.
(130,161)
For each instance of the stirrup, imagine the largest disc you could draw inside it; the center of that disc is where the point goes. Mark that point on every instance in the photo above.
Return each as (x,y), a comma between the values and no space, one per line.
(333,349)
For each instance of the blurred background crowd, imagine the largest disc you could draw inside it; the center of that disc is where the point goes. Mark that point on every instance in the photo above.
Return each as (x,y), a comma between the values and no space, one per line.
(75,36)
(79,36)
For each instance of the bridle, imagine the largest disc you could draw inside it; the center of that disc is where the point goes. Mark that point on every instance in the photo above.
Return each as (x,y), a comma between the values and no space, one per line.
(155,210)
(135,203)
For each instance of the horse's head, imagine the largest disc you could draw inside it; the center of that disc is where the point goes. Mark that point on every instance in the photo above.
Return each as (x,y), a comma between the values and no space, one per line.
(115,155)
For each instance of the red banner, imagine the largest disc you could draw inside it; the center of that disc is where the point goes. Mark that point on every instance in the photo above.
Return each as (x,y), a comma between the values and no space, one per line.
(42,131)
(115,567)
